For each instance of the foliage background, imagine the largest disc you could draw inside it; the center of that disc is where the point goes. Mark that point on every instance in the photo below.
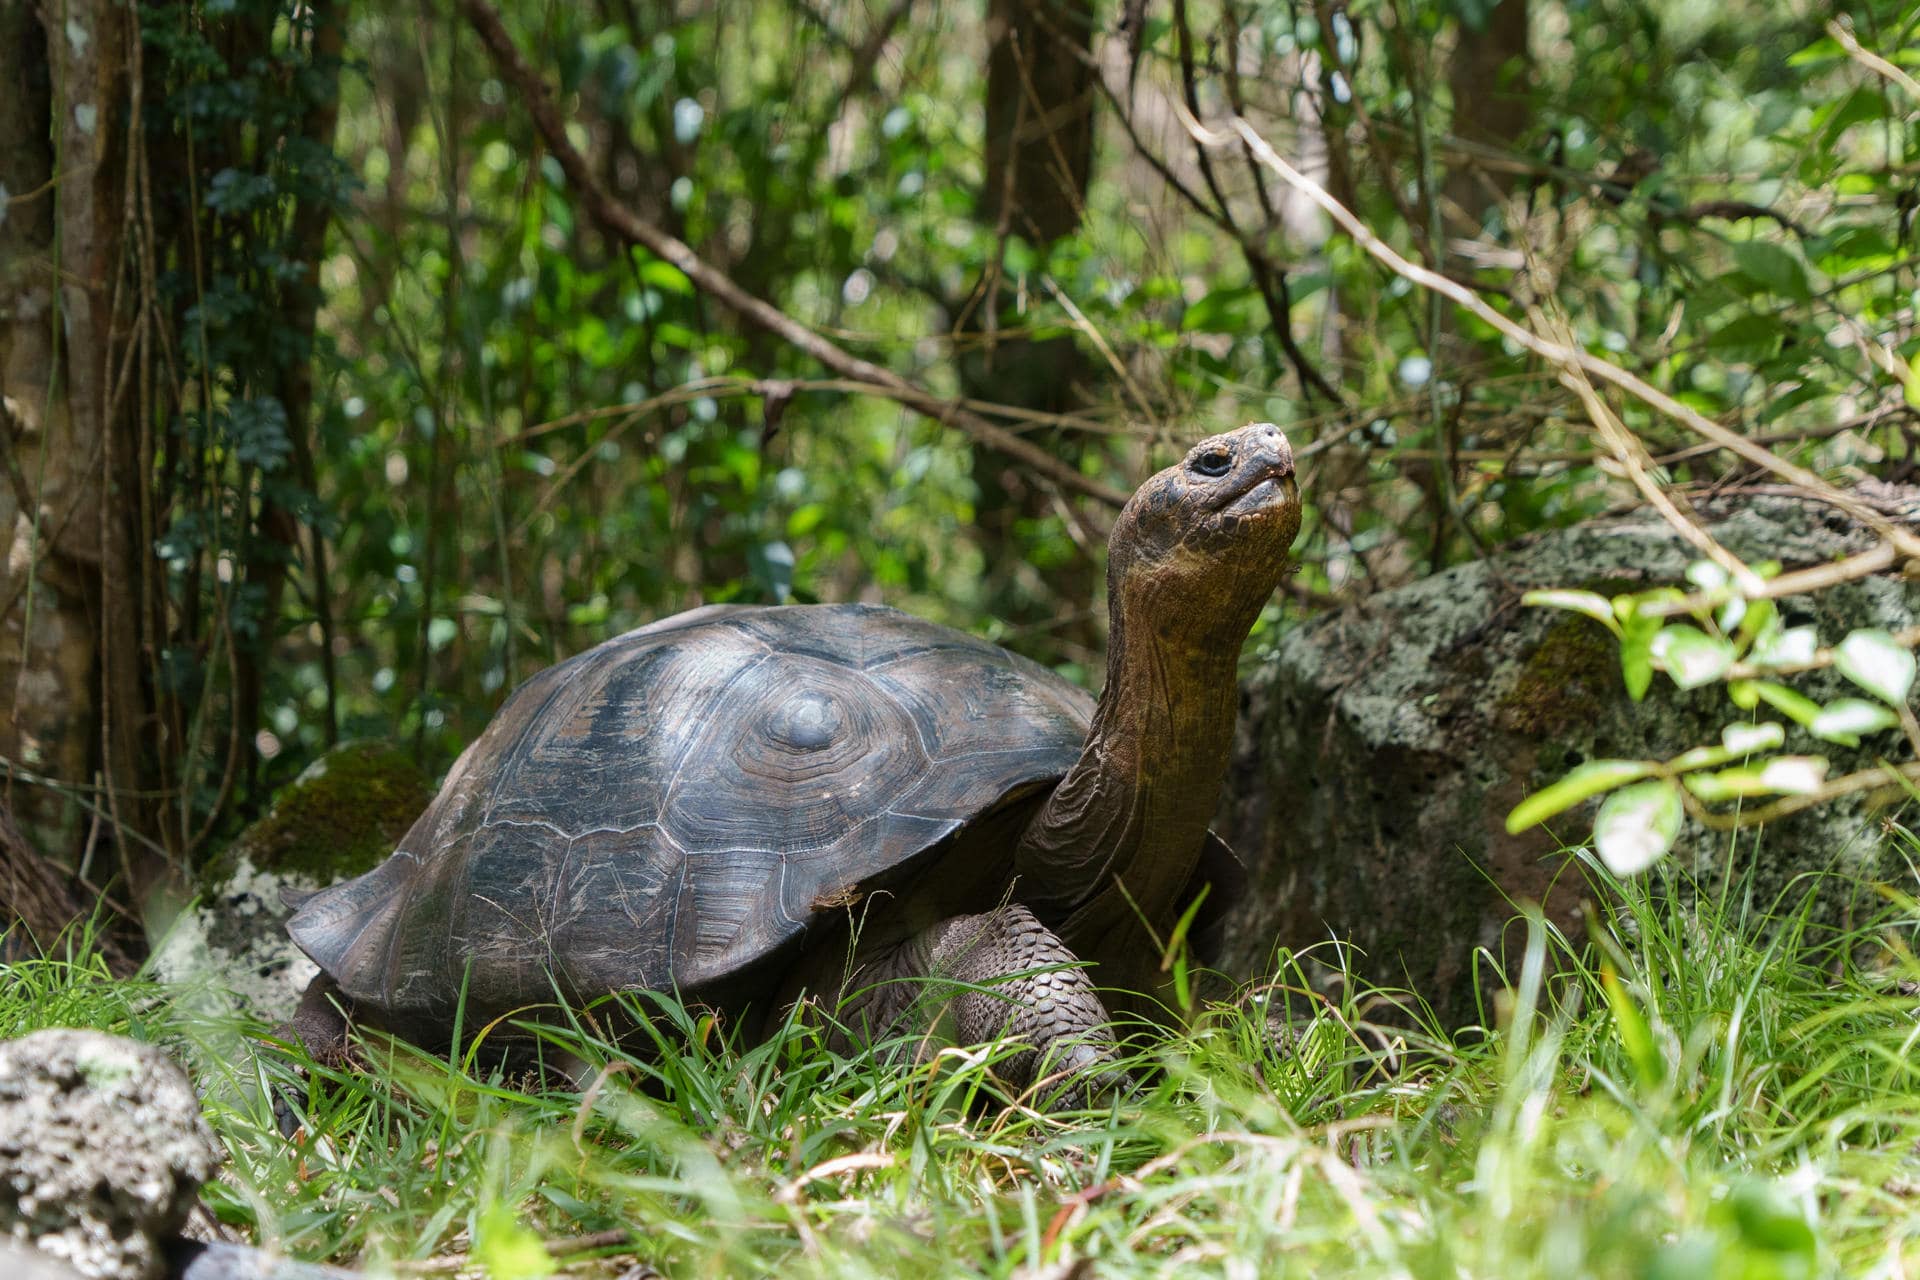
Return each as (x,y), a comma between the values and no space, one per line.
(424,425)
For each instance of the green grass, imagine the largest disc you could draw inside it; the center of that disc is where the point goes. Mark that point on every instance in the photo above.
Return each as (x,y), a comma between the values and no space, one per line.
(1687,1092)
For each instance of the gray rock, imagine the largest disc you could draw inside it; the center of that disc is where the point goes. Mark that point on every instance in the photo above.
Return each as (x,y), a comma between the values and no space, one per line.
(18,1262)
(102,1150)
(221,1261)
(1382,747)
(344,814)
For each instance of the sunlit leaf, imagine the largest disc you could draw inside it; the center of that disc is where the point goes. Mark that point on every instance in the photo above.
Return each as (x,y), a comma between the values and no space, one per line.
(1745,739)
(1792,647)
(1706,575)
(1690,655)
(1784,775)
(1591,603)
(1794,775)
(1588,780)
(1637,825)
(1844,719)
(1878,663)
(505,1249)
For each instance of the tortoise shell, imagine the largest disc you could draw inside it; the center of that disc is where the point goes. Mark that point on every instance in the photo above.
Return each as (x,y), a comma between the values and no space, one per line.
(684,803)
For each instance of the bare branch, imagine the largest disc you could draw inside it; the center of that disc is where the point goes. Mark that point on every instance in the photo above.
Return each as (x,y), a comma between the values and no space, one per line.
(626,225)
(1900,540)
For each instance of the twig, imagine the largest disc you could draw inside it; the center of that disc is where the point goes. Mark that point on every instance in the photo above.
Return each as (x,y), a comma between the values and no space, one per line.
(1903,541)
(1843,36)
(722,385)
(1862,565)
(1631,455)
(1100,344)
(1851,784)
(629,226)
(1907,637)
(867,56)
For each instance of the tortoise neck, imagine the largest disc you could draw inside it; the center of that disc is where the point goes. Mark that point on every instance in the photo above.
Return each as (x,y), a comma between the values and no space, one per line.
(1134,808)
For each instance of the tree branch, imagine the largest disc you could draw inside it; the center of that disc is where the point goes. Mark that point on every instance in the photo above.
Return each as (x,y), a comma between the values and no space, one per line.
(1900,540)
(628,226)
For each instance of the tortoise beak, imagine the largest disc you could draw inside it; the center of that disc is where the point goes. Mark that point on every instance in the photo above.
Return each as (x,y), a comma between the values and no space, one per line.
(1267,482)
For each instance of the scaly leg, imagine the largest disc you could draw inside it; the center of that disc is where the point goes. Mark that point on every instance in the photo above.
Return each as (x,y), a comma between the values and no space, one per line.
(320,1026)
(970,979)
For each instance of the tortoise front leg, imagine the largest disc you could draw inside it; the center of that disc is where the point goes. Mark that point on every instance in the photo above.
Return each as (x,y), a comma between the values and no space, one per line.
(970,979)
(319,1024)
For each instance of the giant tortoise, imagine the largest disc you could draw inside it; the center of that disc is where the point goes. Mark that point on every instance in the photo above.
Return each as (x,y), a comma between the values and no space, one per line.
(742,804)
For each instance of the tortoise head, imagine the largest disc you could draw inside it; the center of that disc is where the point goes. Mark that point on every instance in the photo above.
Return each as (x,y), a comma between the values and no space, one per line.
(1202,544)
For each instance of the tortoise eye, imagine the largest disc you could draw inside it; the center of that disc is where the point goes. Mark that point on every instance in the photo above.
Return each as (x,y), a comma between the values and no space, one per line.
(1215,462)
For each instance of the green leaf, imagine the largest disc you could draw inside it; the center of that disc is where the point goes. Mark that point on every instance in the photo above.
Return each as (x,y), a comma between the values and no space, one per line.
(505,1249)
(1220,311)
(666,277)
(1745,739)
(1736,740)
(1727,784)
(1591,603)
(1747,338)
(1910,385)
(1845,719)
(1783,775)
(1636,651)
(1847,249)
(1825,49)
(1793,647)
(1588,780)
(1638,825)
(806,519)
(1768,1218)
(1178,957)
(1773,267)
(1690,655)
(1863,106)
(1878,663)
(1635,1036)
(1791,703)
(1761,620)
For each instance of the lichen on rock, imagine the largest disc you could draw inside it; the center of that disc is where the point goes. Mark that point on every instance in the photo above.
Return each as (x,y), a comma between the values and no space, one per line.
(102,1150)
(1383,746)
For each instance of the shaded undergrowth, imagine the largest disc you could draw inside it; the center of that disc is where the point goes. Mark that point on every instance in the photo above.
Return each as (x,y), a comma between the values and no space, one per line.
(1714,1089)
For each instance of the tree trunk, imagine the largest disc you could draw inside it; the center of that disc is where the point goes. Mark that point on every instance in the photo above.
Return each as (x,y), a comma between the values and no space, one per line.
(1039,111)
(54,347)
(1490,75)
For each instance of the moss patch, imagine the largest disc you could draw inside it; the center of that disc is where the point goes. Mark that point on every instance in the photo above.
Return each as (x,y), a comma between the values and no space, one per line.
(340,817)
(1570,678)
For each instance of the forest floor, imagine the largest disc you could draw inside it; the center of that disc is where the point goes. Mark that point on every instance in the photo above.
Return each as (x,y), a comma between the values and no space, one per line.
(1690,1092)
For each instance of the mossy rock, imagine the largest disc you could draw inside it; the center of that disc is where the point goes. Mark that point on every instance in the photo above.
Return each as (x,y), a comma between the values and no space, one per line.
(342,816)
(1382,747)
